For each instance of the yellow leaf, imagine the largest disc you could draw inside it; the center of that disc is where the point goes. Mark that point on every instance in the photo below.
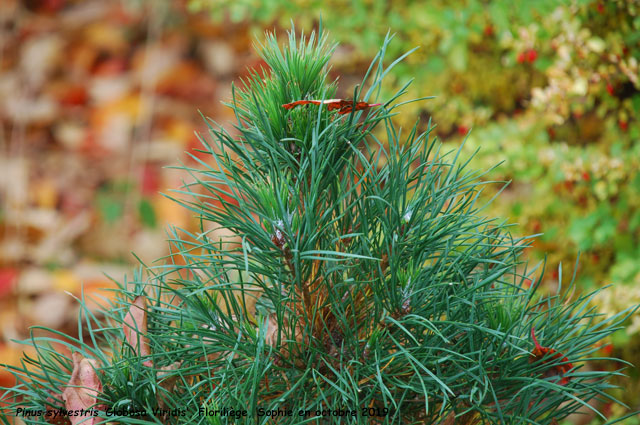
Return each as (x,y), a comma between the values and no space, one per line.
(65,280)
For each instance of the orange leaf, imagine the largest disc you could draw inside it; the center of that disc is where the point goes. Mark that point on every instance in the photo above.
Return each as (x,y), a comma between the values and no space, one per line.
(82,390)
(342,105)
(549,355)
(135,328)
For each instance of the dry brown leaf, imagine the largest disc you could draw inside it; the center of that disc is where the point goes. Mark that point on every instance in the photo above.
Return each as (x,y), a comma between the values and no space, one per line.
(551,355)
(341,105)
(284,350)
(450,419)
(169,382)
(82,390)
(271,336)
(135,328)
(52,405)
(164,371)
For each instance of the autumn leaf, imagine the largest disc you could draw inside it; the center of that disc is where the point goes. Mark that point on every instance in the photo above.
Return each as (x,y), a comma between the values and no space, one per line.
(135,328)
(165,371)
(52,405)
(57,419)
(343,106)
(271,336)
(82,390)
(540,352)
(8,278)
(167,380)
(450,419)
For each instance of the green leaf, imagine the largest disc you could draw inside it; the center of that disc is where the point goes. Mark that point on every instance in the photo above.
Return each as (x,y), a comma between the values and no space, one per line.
(458,56)
(543,63)
(110,208)
(147,213)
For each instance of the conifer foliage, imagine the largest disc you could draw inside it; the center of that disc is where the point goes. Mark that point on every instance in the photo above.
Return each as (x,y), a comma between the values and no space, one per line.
(360,283)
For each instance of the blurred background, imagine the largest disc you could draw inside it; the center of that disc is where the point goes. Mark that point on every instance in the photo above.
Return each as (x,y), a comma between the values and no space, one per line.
(98,96)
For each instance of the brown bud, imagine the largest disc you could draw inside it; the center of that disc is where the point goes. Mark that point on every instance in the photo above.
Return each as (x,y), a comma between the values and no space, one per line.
(406,306)
(278,239)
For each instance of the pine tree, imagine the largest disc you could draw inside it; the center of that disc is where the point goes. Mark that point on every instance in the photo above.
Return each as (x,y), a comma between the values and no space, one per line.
(360,284)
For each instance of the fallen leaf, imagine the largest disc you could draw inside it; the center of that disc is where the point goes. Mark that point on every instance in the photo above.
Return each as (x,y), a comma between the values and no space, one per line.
(52,404)
(271,335)
(82,390)
(342,105)
(73,95)
(285,350)
(10,356)
(50,309)
(540,352)
(164,371)
(8,279)
(65,280)
(450,419)
(167,380)
(135,328)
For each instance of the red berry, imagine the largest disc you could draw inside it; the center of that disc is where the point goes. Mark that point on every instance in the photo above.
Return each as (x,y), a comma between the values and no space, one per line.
(532,55)
(521,57)
(623,125)
(610,89)
(488,30)
(585,176)
(463,130)
(600,7)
